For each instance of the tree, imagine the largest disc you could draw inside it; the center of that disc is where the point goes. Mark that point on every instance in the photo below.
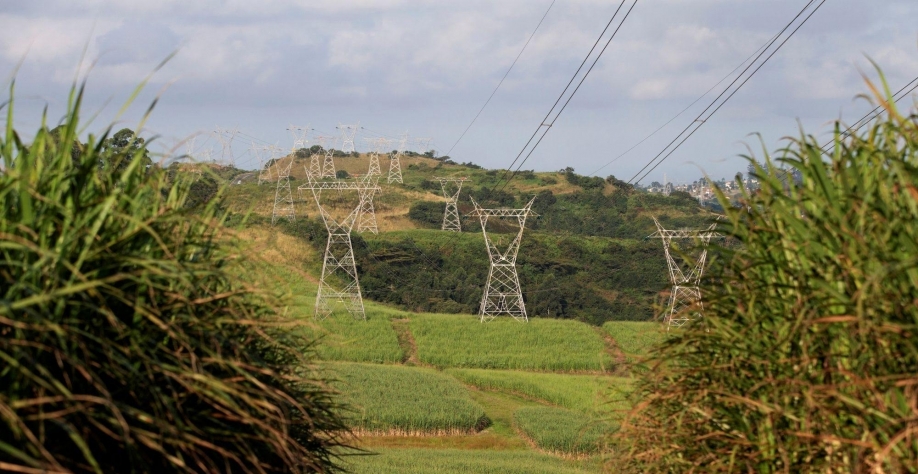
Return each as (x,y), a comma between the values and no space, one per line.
(121,148)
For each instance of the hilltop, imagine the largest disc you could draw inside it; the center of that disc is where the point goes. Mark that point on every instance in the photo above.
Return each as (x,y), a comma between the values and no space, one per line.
(584,257)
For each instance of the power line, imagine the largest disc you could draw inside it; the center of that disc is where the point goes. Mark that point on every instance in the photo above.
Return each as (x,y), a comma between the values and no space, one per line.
(701,119)
(502,79)
(558,100)
(661,127)
(547,126)
(873,113)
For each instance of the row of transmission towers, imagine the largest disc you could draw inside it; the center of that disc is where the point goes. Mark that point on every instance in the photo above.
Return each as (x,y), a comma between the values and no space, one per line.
(339,282)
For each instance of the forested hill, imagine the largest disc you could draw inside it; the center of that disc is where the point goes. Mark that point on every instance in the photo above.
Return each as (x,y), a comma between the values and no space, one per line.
(584,257)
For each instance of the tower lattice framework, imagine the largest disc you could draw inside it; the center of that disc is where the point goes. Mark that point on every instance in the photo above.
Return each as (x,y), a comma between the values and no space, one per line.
(395,162)
(502,294)
(348,134)
(299,136)
(366,220)
(264,166)
(226,136)
(283,198)
(328,164)
(451,188)
(422,144)
(377,145)
(316,159)
(685,292)
(339,282)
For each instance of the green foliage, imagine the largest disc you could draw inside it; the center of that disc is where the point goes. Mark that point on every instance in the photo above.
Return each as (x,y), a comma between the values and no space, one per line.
(390,398)
(128,345)
(342,174)
(427,461)
(540,344)
(585,182)
(807,360)
(574,277)
(636,338)
(586,393)
(347,339)
(558,430)
(121,148)
(427,213)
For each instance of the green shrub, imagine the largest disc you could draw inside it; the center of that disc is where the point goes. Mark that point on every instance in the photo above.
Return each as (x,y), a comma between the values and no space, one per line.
(427,213)
(807,358)
(128,345)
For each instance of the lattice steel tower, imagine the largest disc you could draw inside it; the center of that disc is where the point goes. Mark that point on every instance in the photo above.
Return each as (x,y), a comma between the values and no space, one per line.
(422,144)
(502,294)
(328,165)
(348,133)
(451,188)
(685,292)
(226,136)
(264,165)
(395,163)
(339,282)
(299,136)
(315,160)
(283,198)
(366,221)
(377,145)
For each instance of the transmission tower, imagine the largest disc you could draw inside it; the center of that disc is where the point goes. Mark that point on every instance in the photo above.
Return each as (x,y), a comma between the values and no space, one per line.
(299,136)
(377,145)
(225,137)
(339,281)
(395,163)
(189,148)
(502,294)
(316,159)
(451,220)
(348,133)
(264,166)
(328,165)
(685,292)
(422,144)
(283,198)
(366,221)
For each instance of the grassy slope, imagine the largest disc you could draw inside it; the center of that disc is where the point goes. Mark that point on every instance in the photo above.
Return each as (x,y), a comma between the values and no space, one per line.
(586,393)
(388,399)
(504,343)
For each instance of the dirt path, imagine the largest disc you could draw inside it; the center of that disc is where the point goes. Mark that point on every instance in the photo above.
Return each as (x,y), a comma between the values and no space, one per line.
(619,361)
(406,342)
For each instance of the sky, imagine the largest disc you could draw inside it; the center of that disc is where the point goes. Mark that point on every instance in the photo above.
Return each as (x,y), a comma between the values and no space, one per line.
(426,67)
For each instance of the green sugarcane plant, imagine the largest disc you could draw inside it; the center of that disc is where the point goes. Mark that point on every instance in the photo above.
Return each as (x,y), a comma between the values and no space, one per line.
(807,358)
(128,341)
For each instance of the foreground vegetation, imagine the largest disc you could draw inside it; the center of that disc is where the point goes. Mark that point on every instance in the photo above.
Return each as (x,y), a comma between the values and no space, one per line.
(807,358)
(128,342)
